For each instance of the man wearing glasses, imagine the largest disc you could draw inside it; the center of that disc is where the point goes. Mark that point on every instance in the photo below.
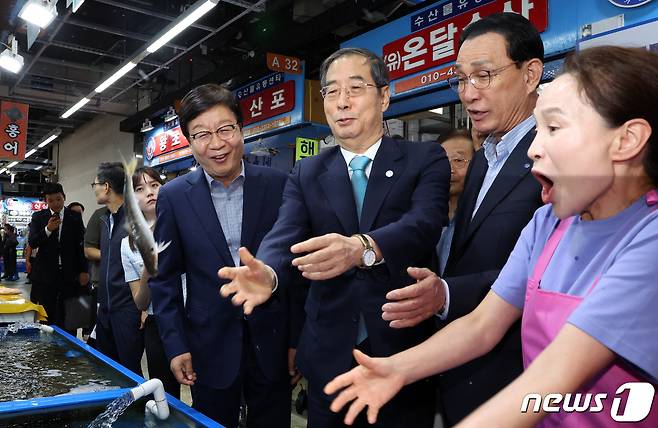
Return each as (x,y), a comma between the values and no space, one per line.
(353,219)
(207,215)
(118,333)
(499,66)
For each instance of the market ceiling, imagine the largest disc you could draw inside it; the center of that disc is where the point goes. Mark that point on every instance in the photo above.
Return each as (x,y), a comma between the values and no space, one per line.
(78,51)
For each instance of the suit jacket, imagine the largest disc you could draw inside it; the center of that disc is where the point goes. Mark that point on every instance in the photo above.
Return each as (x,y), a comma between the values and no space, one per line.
(69,247)
(405,206)
(480,248)
(209,326)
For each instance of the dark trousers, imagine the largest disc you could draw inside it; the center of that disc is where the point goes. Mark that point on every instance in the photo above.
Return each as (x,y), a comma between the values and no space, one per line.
(118,336)
(268,403)
(413,406)
(51,295)
(158,364)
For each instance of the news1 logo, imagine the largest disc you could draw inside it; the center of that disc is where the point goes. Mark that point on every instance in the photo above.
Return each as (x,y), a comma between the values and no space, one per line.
(638,402)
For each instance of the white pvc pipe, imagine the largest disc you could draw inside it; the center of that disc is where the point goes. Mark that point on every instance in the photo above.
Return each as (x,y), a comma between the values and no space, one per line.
(46,328)
(158,406)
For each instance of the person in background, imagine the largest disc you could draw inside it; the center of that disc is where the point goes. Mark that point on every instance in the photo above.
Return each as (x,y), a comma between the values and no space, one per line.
(459,148)
(30,256)
(118,333)
(77,207)
(206,216)
(92,251)
(498,68)
(478,138)
(60,267)
(146,183)
(582,276)
(9,245)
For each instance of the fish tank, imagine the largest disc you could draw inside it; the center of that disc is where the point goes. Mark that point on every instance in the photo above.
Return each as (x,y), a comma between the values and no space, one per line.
(51,379)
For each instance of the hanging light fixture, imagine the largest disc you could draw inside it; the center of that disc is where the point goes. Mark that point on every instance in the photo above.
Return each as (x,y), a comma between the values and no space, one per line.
(146,126)
(10,60)
(39,12)
(170,115)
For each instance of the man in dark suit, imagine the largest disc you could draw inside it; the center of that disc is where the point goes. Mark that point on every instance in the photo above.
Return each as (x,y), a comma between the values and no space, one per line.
(60,266)
(499,66)
(207,215)
(355,217)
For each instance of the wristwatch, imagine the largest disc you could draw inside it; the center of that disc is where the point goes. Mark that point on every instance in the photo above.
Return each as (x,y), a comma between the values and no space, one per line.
(368,258)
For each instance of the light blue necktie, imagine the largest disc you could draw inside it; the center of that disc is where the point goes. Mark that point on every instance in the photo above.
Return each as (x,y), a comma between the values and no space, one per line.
(359,184)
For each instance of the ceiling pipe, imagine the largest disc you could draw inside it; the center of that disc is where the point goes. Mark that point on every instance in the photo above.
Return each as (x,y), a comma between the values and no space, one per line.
(85,49)
(213,33)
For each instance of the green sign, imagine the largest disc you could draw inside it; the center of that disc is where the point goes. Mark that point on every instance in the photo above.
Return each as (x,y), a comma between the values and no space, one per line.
(306,147)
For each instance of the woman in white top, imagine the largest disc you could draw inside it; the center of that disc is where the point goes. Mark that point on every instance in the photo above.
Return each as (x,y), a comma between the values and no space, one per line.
(147,183)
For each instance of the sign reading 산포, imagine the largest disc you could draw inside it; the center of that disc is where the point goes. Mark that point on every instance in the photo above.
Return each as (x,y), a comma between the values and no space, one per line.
(268,103)
(13,128)
(437,44)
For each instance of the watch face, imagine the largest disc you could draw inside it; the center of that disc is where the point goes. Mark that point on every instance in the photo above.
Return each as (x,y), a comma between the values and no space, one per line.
(369,258)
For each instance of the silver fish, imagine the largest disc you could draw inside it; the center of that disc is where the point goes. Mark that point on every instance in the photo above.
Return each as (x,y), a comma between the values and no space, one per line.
(137,226)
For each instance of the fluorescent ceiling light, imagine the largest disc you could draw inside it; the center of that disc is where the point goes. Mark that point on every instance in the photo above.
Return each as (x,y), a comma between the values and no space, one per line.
(11,165)
(38,12)
(38,168)
(3,170)
(186,22)
(11,61)
(171,115)
(438,110)
(139,156)
(75,108)
(46,141)
(30,153)
(116,76)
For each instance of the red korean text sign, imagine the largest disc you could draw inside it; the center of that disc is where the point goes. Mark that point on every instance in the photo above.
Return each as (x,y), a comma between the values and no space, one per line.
(268,103)
(165,141)
(437,45)
(13,129)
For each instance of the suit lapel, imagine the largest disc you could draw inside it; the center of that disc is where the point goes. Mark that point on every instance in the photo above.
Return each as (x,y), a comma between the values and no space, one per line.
(388,160)
(335,182)
(253,193)
(198,195)
(515,168)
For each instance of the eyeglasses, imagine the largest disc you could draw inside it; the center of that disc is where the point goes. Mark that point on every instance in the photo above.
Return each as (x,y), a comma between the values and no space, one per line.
(458,162)
(356,88)
(226,132)
(94,184)
(479,79)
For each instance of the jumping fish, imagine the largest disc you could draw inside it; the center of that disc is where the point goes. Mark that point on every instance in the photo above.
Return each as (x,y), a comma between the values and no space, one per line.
(137,226)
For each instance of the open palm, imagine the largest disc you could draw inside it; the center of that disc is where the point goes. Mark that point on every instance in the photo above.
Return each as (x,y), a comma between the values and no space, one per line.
(372,383)
(251,284)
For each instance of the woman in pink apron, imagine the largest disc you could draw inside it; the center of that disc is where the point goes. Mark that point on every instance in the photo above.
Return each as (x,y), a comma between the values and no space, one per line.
(583,275)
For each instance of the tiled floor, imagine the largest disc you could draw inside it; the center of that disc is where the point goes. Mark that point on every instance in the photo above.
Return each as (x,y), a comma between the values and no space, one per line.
(297,421)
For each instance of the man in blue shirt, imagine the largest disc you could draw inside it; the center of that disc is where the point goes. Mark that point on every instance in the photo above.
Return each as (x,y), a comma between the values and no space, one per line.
(499,66)
(207,215)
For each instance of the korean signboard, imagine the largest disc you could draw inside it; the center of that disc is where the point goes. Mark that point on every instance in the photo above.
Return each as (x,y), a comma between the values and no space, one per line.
(13,128)
(305,147)
(166,143)
(436,45)
(268,103)
(272,102)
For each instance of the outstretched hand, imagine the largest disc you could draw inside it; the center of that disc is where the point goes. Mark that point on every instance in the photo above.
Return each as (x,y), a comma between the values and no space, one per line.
(251,284)
(372,383)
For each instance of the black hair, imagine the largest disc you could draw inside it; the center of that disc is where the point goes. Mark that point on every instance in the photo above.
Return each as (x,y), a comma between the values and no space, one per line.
(76,204)
(378,68)
(522,38)
(53,188)
(203,98)
(113,174)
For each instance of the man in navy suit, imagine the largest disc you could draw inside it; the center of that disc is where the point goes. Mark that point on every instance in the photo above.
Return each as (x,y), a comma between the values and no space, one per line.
(353,219)
(207,215)
(60,267)
(499,66)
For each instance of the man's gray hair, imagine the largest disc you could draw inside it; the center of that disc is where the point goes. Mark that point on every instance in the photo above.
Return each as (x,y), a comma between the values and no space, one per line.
(377,66)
